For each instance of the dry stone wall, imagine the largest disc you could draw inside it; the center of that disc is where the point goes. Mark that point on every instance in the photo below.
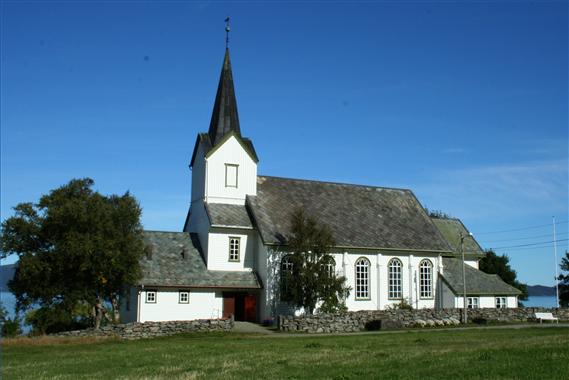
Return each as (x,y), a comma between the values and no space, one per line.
(139,330)
(390,319)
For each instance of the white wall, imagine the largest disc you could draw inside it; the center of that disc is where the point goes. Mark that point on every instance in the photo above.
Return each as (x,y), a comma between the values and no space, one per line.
(379,277)
(345,266)
(204,304)
(472,263)
(230,152)
(218,249)
(199,223)
(198,175)
(488,301)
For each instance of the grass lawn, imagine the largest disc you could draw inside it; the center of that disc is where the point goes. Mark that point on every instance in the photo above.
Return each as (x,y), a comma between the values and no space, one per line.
(531,353)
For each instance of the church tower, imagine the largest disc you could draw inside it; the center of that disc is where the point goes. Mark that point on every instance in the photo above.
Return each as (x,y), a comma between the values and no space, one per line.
(224,163)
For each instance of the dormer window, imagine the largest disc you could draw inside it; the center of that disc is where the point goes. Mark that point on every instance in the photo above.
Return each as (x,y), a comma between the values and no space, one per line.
(231,175)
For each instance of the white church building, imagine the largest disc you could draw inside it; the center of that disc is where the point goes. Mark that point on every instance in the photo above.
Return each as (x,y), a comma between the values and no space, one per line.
(228,259)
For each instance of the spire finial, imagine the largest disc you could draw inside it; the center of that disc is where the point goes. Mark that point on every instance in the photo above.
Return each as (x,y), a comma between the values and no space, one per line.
(227,30)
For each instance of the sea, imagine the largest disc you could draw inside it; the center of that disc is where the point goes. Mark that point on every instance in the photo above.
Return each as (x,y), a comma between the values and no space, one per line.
(8,302)
(540,301)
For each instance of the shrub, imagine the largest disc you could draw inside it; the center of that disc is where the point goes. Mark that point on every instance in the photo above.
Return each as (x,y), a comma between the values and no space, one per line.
(11,327)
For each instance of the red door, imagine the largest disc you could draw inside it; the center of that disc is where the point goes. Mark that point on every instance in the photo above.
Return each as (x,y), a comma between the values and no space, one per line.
(228,305)
(250,308)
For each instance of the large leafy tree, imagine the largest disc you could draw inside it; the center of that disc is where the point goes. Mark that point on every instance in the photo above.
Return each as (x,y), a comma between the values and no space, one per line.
(500,264)
(564,281)
(312,280)
(77,248)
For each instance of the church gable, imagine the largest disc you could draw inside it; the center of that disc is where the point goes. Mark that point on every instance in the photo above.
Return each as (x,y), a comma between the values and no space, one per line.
(231,173)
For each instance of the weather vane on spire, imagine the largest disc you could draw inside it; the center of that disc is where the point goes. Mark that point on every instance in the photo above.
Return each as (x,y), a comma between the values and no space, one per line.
(227,29)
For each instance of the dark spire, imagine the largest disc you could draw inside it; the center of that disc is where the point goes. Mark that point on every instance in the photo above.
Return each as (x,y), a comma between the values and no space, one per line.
(224,118)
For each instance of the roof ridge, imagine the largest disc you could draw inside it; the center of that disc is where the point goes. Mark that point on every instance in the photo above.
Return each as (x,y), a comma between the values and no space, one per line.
(337,183)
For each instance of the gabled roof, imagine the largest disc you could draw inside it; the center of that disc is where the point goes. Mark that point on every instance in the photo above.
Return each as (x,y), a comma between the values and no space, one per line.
(226,215)
(451,229)
(477,282)
(174,260)
(208,147)
(224,117)
(359,216)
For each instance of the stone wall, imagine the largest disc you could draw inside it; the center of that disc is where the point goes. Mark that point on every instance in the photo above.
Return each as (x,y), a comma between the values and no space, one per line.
(139,330)
(389,319)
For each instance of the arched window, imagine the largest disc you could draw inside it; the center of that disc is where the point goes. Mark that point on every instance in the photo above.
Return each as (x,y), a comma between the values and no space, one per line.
(286,272)
(329,265)
(394,278)
(362,279)
(426,279)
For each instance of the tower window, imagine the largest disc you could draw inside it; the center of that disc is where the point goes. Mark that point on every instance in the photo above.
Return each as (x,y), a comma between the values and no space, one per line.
(234,243)
(231,175)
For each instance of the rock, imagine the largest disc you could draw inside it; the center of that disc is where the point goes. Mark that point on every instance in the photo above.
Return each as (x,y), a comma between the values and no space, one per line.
(420,323)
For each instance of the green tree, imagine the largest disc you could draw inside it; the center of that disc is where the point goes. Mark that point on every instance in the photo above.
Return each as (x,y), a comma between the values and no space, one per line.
(9,327)
(76,247)
(312,280)
(500,264)
(564,282)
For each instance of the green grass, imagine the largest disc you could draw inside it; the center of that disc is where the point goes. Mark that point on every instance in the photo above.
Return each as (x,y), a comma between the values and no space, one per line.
(531,353)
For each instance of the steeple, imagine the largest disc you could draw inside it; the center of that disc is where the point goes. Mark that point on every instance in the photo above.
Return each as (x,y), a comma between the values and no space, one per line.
(224,117)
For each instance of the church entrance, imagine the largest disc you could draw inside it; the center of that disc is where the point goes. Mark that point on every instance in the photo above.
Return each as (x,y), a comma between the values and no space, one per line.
(243,306)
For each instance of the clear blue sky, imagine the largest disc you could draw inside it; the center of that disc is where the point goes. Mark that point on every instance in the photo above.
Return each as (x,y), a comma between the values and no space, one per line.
(465,103)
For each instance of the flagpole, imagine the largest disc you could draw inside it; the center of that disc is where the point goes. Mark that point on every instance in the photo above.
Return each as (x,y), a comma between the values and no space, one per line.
(556,264)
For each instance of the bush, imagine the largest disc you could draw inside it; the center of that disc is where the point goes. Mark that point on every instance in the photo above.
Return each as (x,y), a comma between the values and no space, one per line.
(53,320)
(402,305)
(11,327)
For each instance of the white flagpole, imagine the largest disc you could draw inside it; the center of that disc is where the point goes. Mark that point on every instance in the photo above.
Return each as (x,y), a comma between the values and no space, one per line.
(556,264)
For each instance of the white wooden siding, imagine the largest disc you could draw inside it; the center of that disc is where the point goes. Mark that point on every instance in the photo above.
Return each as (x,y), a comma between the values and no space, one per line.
(204,304)
(231,152)
(218,249)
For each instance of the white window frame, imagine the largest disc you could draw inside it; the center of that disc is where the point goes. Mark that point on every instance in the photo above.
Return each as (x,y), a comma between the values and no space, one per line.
(426,279)
(473,302)
(151,296)
(362,279)
(183,296)
(330,266)
(227,182)
(500,304)
(234,249)
(395,279)
(286,267)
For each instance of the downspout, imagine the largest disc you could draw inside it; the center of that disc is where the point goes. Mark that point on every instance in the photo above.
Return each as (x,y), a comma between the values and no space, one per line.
(410,281)
(439,288)
(378,267)
(138,304)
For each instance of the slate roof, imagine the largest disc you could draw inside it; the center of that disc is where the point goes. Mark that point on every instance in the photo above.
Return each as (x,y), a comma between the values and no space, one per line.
(224,117)
(451,229)
(225,215)
(174,259)
(359,216)
(477,282)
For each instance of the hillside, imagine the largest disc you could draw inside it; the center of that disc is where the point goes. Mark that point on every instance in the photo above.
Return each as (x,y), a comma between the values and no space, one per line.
(540,290)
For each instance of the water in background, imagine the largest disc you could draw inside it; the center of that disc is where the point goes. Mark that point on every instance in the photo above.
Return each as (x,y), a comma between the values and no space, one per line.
(540,301)
(8,302)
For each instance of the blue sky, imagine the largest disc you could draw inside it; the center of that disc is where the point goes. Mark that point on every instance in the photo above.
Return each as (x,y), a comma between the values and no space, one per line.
(465,103)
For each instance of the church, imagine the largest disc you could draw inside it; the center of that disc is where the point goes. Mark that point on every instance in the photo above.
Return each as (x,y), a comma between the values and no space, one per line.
(227,261)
